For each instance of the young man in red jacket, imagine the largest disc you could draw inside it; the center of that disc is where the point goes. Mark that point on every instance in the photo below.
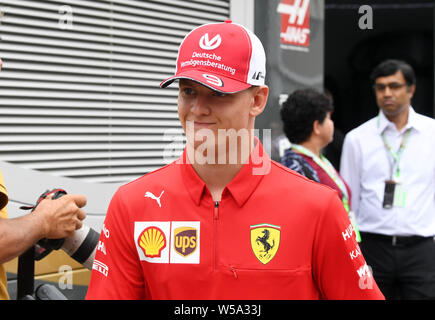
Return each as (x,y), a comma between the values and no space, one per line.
(224,221)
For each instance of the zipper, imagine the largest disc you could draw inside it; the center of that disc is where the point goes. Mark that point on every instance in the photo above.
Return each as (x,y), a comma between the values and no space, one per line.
(216,210)
(215,219)
(215,240)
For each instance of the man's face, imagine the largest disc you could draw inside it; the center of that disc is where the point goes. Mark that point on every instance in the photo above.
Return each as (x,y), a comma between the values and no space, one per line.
(393,95)
(209,109)
(222,123)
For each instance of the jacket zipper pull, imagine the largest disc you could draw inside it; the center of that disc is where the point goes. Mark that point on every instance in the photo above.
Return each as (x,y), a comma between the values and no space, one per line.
(216,210)
(234,272)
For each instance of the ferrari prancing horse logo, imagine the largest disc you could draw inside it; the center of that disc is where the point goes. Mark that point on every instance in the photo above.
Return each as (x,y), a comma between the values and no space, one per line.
(265,241)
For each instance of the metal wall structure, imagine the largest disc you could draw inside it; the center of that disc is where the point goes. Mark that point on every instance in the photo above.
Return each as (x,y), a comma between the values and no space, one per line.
(80,103)
(80,95)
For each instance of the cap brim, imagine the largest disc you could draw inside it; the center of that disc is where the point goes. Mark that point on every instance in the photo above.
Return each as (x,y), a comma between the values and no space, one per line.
(228,85)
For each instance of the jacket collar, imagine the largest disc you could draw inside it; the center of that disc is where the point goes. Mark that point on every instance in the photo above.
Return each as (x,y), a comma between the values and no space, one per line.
(413,122)
(240,188)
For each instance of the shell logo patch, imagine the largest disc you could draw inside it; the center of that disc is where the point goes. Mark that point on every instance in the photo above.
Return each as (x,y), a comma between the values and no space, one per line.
(152,241)
(265,240)
(185,240)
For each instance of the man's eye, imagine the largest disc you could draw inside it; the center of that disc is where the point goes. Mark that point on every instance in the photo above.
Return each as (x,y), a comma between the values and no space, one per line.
(188,91)
(395,86)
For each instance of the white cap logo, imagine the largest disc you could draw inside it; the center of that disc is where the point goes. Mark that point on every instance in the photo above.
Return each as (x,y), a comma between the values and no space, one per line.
(213,80)
(207,44)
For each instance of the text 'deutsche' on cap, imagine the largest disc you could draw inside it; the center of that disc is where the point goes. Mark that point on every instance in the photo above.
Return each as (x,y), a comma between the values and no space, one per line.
(225,57)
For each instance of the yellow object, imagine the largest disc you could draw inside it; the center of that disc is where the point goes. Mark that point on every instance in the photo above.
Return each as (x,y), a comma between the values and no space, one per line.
(3,215)
(152,241)
(265,240)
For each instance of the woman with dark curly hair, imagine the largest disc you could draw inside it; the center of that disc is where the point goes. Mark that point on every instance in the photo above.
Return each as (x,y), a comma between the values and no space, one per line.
(306,116)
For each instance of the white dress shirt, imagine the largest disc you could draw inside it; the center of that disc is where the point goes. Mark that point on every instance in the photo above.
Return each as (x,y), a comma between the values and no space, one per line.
(366,164)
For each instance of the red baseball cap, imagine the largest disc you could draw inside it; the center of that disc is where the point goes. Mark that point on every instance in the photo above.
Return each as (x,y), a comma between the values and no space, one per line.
(225,57)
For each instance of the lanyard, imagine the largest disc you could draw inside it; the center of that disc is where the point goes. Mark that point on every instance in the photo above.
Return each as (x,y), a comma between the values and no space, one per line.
(395,154)
(327,166)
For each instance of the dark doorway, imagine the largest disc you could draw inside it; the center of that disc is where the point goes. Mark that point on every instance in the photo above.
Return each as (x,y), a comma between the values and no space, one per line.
(401,30)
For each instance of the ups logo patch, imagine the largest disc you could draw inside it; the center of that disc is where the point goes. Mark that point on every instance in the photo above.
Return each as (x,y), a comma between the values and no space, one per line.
(185,240)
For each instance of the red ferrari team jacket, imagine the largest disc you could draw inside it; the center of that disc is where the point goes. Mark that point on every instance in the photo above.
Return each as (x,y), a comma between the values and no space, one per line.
(273,235)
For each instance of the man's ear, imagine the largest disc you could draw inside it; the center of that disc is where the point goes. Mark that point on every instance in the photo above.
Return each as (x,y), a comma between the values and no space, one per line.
(260,95)
(411,90)
(316,125)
